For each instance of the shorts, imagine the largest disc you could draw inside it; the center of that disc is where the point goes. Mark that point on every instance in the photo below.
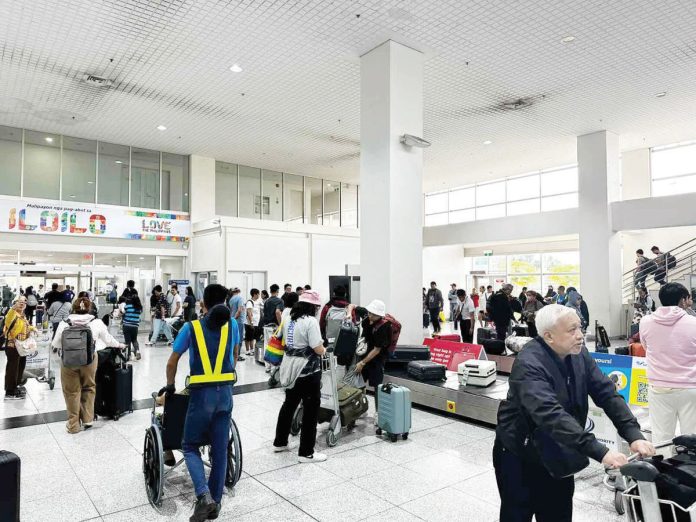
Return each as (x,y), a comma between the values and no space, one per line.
(250,332)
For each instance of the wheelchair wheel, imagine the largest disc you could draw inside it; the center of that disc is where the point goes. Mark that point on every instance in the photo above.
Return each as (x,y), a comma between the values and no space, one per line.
(234,457)
(296,425)
(153,466)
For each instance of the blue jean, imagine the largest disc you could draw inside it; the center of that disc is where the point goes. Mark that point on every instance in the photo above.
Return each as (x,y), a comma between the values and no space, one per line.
(160,324)
(208,422)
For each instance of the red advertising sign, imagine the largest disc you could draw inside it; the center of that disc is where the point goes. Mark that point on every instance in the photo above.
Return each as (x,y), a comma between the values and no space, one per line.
(450,354)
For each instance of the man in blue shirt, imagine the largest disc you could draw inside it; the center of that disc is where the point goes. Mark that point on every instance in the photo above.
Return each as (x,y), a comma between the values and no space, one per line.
(236,304)
(214,345)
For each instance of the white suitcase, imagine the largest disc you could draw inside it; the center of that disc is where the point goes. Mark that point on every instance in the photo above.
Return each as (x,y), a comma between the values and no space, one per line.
(479,373)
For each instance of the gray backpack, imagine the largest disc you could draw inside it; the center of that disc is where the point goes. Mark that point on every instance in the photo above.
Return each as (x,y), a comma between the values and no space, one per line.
(78,345)
(334,319)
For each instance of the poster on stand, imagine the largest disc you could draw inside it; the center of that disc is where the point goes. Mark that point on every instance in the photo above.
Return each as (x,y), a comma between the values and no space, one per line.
(639,383)
(450,354)
(618,368)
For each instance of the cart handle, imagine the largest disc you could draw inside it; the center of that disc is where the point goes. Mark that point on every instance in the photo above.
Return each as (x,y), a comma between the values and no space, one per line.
(640,470)
(635,457)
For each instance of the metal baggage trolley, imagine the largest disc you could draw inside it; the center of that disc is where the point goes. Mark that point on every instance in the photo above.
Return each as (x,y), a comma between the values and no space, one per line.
(39,363)
(638,494)
(329,407)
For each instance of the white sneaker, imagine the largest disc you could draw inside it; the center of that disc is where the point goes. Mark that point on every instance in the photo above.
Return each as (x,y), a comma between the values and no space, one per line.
(149,343)
(280,449)
(317,457)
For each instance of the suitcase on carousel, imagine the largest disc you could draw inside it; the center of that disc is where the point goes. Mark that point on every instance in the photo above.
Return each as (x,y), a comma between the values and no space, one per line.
(403,354)
(448,337)
(521,330)
(10,472)
(493,346)
(114,379)
(393,411)
(426,371)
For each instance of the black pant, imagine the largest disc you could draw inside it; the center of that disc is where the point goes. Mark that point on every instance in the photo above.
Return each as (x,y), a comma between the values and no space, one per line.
(527,489)
(14,371)
(464,330)
(130,335)
(308,391)
(29,313)
(435,319)
(531,326)
(501,328)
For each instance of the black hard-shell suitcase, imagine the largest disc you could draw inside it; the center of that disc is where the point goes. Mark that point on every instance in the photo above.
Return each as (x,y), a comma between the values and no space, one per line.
(522,330)
(427,371)
(484,333)
(114,395)
(10,471)
(403,354)
(493,346)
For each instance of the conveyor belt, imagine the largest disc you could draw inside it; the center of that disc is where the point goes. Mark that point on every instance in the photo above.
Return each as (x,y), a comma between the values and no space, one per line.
(471,402)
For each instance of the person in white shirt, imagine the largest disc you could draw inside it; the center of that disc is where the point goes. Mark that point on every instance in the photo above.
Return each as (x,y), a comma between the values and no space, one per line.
(464,316)
(176,305)
(254,307)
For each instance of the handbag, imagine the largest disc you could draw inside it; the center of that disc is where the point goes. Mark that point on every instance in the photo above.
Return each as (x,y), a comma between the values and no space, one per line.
(27,346)
(442,317)
(354,379)
(275,348)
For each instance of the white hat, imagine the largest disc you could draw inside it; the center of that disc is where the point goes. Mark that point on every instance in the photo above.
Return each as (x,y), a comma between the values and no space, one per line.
(377,307)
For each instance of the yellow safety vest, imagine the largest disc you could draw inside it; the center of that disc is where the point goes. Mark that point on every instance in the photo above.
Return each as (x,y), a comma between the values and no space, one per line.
(211,376)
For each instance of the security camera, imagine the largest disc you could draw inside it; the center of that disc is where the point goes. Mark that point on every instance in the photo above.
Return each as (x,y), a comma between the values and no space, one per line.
(414,141)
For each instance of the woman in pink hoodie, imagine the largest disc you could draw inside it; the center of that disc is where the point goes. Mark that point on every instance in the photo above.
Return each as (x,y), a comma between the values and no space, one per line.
(669,338)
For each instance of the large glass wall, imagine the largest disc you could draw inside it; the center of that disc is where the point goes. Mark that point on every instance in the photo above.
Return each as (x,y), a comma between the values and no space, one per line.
(673,169)
(225,189)
(250,203)
(332,203)
(49,166)
(293,190)
(272,192)
(313,201)
(349,205)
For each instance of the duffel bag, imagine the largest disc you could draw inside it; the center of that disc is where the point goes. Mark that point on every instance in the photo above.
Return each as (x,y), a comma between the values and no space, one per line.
(352,403)
(493,346)
(515,343)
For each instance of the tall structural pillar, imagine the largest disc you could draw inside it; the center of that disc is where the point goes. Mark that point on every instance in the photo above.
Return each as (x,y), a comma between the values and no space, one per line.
(391,184)
(600,246)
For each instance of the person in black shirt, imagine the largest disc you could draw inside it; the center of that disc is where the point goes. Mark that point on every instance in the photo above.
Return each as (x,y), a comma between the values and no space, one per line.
(53,296)
(499,309)
(272,308)
(190,305)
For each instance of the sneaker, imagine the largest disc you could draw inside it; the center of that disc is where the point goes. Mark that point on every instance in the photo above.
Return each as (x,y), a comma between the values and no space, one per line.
(205,506)
(317,457)
(169,459)
(149,343)
(137,356)
(240,358)
(268,370)
(215,513)
(21,389)
(280,449)
(87,425)
(169,343)
(13,397)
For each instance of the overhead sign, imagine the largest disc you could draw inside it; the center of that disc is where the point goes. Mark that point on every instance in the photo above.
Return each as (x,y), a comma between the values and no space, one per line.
(179,282)
(34,217)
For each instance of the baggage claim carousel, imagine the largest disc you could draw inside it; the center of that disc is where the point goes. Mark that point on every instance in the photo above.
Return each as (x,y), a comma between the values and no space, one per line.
(470,402)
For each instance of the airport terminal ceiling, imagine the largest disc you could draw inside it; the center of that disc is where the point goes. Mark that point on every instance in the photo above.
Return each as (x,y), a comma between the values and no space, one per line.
(277,85)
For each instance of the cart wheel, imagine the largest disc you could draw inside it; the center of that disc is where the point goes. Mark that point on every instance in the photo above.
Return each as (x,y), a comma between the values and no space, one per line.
(52,383)
(234,457)
(404,436)
(332,438)
(618,503)
(153,466)
(393,437)
(378,431)
(296,425)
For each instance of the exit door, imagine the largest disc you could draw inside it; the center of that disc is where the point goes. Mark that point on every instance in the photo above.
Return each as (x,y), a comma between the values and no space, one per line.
(245,281)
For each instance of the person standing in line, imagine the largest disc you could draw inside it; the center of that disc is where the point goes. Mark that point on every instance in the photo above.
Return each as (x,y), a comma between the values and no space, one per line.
(264,295)
(238,311)
(300,373)
(489,292)
(299,290)
(130,288)
(161,312)
(59,311)
(16,328)
(132,311)
(499,310)
(475,297)
(32,303)
(453,302)
(287,288)
(562,296)
(53,295)
(435,305)
(529,311)
(464,314)
(171,294)
(189,305)
(252,331)
(272,308)
(176,306)
(669,338)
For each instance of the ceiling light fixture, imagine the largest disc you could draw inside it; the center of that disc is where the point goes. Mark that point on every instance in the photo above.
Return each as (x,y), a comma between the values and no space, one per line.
(661,94)
(142,258)
(49,139)
(119,161)
(161,128)
(71,196)
(90,182)
(487,142)
(235,68)
(568,39)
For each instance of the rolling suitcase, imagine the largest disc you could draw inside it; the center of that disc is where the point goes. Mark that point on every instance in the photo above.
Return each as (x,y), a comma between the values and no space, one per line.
(521,330)
(114,395)
(404,354)
(393,411)
(485,333)
(427,371)
(352,403)
(636,349)
(10,471)
(493,346)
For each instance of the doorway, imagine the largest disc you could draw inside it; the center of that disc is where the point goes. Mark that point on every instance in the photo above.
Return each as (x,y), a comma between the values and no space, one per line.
(245,281)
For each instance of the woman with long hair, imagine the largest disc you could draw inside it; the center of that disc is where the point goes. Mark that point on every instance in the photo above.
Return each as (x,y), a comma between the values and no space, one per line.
(300,374)
(15,328)
(189,305)
(132,311)
(32,303)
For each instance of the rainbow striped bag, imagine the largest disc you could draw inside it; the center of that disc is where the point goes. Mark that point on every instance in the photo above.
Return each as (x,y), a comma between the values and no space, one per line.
(275,349)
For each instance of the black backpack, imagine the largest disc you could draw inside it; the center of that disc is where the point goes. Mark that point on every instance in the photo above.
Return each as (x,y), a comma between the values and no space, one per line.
(671,261)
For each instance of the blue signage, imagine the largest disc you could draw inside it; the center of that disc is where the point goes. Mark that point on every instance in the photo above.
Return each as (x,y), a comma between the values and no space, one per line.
(618,368)
(179,282)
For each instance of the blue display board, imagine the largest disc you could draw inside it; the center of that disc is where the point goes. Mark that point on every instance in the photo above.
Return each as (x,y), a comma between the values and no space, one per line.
(618,368)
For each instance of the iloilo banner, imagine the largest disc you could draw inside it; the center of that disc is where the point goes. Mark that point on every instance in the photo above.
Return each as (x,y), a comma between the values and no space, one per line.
(33,217)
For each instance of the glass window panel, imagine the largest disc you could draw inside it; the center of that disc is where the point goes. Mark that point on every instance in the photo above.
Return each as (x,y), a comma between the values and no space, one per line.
(461,216)
(113,174)
(532,282)
(480,263)
(492,211)
(523,188)
(79,169)
(490,193)
(554,262)
(435,203)
(560,279)
(497,264)
(529,206)
(313,201)
(673,162)
(225,189)
(462,198)
(293,198)
(434,220)
(559,202)
(559,181)
(272,191)
(670,186)
(349,205)
(145,182)
(113,260)
(250,202)
(524,264)
(332,203)
(11,163)
(175,182)
(41,165)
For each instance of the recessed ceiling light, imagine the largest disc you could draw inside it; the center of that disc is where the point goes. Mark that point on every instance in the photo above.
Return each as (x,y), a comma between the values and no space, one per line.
(235,68)
(49,139)
(161,128)
(119,161)
(90,182)
(142,258)
(568,39)
(661,94)
(49,255)
(487,142)
(71,196)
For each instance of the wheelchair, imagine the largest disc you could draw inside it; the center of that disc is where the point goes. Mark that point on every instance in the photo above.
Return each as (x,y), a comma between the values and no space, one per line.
(166,433)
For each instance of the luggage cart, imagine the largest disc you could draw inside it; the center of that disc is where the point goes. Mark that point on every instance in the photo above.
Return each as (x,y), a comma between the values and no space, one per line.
(39,363)
(329,407)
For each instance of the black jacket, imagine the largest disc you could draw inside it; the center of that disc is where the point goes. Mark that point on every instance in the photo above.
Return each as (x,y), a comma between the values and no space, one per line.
(538,399)
(499,307)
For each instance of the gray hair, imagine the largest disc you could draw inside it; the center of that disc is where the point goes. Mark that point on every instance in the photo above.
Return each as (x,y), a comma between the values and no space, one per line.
(546,318)
(508,286)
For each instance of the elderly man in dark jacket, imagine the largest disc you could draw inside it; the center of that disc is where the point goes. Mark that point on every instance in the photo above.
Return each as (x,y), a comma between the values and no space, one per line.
(540,438)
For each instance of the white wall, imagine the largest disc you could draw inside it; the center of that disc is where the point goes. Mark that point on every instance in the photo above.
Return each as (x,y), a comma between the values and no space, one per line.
(445,265)
(329,256)
(662,212)
(202,193)
(635,174)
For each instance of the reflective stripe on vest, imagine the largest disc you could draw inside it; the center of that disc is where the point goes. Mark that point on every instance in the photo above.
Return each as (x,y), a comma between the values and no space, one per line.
(209,376)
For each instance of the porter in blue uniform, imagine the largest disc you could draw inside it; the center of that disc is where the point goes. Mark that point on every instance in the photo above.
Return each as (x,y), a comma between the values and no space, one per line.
(214,343)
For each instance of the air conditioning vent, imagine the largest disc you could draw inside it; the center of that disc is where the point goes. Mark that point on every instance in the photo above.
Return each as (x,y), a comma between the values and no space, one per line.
(515,105)
(97,81)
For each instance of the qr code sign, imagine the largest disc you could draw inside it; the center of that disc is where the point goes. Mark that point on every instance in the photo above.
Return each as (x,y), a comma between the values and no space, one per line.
(642,392)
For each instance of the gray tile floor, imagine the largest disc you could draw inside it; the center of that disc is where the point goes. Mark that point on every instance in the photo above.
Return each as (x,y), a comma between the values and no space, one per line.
(442,472)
